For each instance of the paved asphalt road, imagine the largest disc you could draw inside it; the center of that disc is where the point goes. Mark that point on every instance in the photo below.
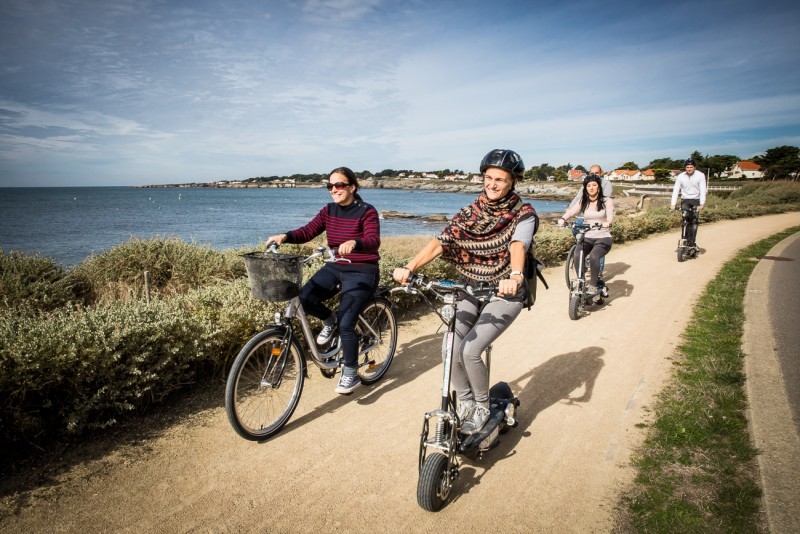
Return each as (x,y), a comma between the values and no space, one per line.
(772,364)
(784,312)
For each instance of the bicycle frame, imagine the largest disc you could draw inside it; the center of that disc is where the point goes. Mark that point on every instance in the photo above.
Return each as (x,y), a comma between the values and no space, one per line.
(323,360)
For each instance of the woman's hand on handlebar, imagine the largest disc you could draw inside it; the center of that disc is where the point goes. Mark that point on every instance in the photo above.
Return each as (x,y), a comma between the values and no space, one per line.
(401,275)
(508,287)
(277,239)
(347,247)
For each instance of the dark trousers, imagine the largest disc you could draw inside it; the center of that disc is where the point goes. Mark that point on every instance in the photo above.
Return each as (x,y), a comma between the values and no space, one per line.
(691,222)
(357,290)
(594,249)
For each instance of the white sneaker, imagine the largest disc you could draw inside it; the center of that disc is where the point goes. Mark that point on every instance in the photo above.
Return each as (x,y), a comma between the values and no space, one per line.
(478,420)
(464,410)
(326,334)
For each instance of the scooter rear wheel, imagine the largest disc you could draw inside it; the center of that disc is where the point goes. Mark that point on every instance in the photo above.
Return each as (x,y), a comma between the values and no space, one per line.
(502,391)
(433,487)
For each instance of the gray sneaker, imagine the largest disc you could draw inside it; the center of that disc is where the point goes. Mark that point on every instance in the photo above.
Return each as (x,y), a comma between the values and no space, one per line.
(464,410)
(347,383)
(478,419)
(326,334)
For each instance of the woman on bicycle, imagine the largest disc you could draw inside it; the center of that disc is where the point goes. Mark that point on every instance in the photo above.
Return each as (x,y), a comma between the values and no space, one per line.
(596,209)
(486,242)
(352,227)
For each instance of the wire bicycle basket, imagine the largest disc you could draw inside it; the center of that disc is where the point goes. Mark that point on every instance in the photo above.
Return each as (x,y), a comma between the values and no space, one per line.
(272,276)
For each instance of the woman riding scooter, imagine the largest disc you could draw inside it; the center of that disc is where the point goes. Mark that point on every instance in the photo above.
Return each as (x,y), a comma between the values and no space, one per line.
(486,242)
(596,209)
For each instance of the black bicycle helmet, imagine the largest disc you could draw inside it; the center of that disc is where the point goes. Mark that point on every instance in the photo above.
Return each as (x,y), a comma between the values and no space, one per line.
(592,178)
(689,161)
(504,159)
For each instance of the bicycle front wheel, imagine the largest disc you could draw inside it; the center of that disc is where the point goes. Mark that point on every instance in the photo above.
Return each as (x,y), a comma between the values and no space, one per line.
(568,265)
(264,385)
(377,331)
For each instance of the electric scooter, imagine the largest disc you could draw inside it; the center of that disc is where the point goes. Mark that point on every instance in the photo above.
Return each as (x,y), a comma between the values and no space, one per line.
(441,441)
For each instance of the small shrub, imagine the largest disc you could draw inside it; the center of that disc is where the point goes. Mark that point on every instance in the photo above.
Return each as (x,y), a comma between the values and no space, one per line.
(33,283)
(174,266)
(767,194)
(78,370)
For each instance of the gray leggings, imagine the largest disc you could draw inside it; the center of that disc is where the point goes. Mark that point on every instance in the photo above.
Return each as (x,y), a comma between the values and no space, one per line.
(474,332)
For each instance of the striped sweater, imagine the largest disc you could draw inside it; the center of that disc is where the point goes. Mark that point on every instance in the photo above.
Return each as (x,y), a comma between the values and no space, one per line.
(358,221)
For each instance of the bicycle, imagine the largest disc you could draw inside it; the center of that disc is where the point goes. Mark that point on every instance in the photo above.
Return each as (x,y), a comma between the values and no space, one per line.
(575,273)
(266,378)
(440,430)
(689,216)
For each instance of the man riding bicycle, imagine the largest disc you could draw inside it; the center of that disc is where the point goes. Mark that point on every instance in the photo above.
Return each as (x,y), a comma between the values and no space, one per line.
(691,185)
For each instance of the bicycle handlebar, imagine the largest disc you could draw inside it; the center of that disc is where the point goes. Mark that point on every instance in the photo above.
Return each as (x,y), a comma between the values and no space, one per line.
(584,227)
(328,253)
(445,291)
(442,288)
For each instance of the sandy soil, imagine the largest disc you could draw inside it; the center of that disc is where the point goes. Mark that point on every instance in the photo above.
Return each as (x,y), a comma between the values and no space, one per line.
(350,463)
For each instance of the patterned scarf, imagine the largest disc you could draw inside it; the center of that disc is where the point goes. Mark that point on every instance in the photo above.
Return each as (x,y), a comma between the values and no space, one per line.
(478,237)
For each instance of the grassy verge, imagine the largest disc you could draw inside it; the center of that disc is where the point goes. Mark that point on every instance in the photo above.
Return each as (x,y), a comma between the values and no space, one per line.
(696,468)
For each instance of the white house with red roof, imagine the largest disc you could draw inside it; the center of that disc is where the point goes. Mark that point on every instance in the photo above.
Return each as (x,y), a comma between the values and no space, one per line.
(744,169)
(623,175)
(575,175)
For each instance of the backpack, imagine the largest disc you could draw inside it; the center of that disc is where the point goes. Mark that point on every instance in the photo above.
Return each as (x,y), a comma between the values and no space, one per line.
(532,271)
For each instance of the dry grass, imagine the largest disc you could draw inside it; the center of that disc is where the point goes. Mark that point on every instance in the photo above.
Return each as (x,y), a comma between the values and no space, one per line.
(405,247)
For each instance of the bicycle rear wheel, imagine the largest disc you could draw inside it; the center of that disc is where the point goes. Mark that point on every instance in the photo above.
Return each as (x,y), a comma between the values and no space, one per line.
(264,385)
(376,329)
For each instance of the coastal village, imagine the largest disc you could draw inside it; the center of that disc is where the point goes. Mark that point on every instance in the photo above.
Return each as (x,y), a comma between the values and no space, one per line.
(743,170)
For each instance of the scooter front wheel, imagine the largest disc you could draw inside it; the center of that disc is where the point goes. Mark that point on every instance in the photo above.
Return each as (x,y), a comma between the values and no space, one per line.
(433,487)
(575,305)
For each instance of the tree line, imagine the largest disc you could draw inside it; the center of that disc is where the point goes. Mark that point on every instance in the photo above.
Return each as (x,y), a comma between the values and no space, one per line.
(781,162)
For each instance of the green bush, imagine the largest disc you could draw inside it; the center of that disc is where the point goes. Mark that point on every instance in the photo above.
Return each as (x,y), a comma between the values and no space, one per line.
(77,370)
(32,283)
(174,266)
(767,194)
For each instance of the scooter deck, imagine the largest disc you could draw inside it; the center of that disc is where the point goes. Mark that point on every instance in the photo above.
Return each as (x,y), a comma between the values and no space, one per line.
(496,416)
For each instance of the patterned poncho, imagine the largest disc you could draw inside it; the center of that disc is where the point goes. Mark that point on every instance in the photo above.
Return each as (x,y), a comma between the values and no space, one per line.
(477,239)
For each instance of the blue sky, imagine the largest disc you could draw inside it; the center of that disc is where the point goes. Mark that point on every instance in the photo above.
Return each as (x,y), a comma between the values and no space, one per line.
(142,92)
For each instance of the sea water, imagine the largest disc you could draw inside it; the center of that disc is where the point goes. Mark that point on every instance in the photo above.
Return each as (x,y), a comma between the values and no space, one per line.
(69,224)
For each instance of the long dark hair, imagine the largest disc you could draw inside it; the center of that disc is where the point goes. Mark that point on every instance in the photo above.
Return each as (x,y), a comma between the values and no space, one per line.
(351,179)
(601,201)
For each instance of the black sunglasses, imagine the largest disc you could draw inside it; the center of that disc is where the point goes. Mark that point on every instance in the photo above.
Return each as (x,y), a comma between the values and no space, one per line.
(337,185)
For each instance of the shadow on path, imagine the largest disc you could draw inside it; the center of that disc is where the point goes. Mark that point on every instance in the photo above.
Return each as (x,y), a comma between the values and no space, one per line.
(555,381)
